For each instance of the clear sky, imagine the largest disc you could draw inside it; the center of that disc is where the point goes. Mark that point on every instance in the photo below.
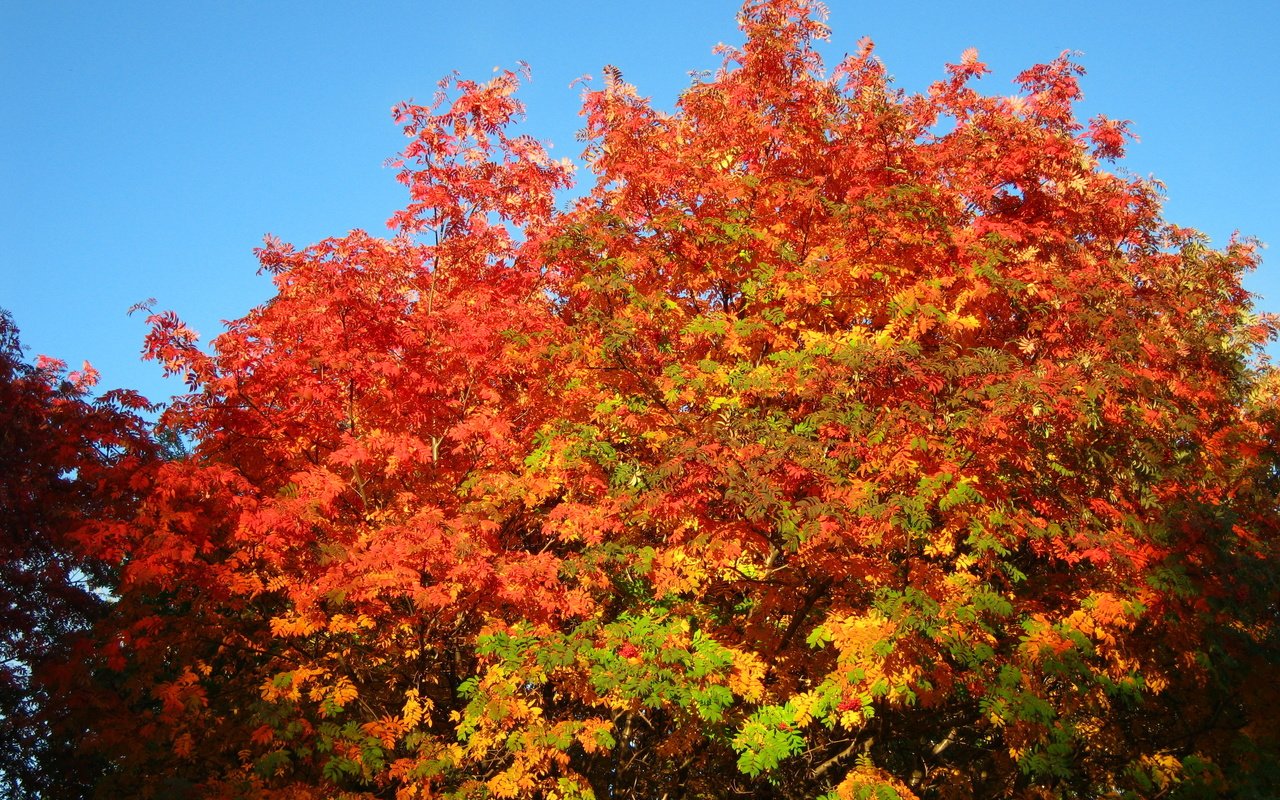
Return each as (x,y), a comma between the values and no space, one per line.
(148,146)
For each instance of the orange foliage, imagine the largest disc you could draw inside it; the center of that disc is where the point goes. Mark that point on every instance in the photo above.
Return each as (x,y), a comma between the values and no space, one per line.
(835,440)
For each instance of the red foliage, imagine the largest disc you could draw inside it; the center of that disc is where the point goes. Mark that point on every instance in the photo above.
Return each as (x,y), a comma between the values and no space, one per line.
(838,436)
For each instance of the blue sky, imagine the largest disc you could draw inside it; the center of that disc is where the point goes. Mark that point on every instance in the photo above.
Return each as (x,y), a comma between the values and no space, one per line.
(148,146)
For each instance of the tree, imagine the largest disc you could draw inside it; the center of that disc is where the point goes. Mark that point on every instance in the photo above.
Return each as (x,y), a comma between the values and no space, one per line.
(61,457)
(837,441)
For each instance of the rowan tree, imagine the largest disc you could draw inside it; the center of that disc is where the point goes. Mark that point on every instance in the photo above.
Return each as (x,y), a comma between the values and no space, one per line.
(837,441)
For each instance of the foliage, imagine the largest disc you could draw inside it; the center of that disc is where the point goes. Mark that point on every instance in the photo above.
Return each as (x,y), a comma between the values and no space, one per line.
(59,458)
(837,442)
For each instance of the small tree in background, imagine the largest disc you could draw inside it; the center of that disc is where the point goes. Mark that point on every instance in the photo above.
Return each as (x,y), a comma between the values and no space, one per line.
(838,441)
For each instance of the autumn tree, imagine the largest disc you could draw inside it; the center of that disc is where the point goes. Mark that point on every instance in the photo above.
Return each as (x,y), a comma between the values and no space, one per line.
(61,457)
(838,441)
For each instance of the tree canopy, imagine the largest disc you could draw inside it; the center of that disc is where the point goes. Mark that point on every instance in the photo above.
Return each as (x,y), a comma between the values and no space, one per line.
(62,461)
(836,441)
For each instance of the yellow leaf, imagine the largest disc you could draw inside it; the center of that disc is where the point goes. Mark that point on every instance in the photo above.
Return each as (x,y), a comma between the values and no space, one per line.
(414,708)
(747,678)
(803,704)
